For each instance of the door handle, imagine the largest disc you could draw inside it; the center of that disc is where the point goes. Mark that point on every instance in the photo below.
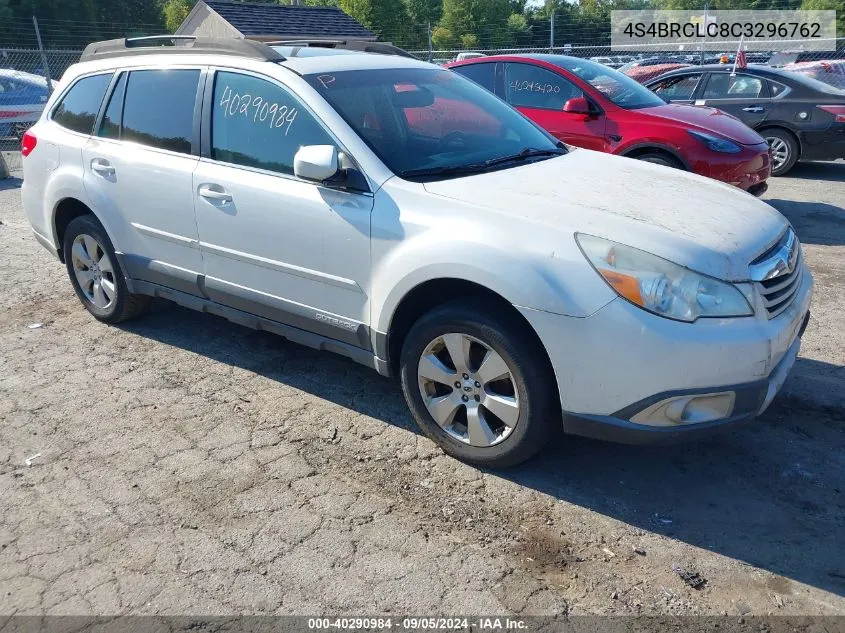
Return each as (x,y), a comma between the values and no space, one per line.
(102,167)
(217,195)
(755,109)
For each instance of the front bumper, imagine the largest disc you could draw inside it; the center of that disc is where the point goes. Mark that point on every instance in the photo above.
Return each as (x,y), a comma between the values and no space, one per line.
(749,172)
(615,366)
(751,399)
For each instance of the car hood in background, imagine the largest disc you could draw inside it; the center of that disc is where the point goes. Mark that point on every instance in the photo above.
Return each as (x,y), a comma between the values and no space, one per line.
(709,120)
(702,224)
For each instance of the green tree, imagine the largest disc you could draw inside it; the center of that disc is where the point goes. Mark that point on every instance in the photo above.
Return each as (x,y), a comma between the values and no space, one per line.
(175,12)
(835,5)
(469,40)
(442,38)
(423,12)
(487,19)
(386,18)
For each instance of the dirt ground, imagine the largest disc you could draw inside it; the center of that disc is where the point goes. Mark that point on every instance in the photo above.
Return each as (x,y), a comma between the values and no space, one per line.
(180,464)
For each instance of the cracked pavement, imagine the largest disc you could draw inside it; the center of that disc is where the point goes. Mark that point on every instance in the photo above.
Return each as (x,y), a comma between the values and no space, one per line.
(187,465)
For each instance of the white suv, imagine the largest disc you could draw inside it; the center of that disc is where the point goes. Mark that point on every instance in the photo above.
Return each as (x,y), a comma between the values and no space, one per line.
(399,214)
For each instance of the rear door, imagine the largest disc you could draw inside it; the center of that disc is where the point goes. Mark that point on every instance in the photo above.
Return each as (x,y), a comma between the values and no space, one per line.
(138,171)
(540,94)
(742,95)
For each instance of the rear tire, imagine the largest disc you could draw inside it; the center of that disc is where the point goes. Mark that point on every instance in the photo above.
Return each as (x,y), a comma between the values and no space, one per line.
(95,273)
(659,158)
(784,150)
(497,403)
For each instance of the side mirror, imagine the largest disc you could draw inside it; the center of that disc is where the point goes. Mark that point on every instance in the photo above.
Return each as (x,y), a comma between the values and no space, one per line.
(315,162)
(577,105)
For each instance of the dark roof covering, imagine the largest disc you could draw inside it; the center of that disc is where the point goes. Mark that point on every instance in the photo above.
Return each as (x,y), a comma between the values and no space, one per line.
(255,18)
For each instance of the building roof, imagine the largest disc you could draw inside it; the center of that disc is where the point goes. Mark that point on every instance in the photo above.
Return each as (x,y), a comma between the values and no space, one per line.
(256,18)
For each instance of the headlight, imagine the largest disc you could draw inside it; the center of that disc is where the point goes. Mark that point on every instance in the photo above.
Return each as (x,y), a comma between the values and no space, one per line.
(659,286)
(716,143)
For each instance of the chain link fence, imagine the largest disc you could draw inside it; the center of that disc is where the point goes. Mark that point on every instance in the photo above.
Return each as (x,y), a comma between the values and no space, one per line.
(28,76)
(24,89)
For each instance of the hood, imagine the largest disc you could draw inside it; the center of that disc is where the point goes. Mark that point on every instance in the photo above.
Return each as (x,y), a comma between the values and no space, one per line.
(705,225)
(709,120)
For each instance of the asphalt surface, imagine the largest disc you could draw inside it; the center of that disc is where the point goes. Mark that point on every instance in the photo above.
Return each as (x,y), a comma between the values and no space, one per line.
(180,464)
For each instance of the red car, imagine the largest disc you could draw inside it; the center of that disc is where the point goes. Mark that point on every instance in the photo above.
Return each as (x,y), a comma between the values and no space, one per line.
(589,105)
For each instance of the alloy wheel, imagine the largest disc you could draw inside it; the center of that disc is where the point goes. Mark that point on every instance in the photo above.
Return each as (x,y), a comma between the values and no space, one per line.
(780,151)
(468,389)
(94,271)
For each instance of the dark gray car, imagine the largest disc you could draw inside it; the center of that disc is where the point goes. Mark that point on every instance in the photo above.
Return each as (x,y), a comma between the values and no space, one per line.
(800,117)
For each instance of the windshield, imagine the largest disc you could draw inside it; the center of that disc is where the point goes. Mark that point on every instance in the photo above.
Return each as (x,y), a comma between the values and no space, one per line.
(620,89)
(431,120)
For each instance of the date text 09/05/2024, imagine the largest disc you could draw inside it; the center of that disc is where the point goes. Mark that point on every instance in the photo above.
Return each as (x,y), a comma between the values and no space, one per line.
(418,623)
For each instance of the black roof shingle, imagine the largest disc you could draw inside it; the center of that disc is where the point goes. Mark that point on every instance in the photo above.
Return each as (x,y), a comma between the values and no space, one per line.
(255,18)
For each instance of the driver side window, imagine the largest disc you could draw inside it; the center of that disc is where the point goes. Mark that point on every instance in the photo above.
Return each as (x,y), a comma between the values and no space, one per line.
(257,123)
(528,86)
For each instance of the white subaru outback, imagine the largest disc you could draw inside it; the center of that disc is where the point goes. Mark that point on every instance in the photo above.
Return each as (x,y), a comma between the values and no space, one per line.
(401,215)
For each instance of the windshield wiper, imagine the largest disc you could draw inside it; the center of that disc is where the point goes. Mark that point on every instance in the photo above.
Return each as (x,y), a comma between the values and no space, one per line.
(523,155)
(477,168)
(455,170)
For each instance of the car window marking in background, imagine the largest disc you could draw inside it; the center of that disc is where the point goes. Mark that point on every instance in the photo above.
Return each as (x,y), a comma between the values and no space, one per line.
(326,80)
(235,104)
(530,86)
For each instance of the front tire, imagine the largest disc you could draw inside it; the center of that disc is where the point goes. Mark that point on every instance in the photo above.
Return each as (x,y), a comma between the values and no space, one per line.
(95,273)
(478,384)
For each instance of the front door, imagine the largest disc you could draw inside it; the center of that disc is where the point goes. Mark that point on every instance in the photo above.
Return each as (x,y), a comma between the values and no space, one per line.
(274,245)
(744,96)
(540,94)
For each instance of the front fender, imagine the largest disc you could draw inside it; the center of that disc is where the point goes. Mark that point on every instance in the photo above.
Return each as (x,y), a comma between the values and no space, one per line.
(557,282)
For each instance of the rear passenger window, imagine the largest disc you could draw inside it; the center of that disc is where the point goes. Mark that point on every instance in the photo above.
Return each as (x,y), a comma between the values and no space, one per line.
(724,86)
(78,109)
(159,108)
(482,74)
(260,124)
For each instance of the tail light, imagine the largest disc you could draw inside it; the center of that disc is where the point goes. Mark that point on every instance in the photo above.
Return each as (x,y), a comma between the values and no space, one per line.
(838,111)
(28,143)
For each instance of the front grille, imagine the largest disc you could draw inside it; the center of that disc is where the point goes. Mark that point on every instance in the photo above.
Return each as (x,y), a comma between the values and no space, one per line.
(779,291)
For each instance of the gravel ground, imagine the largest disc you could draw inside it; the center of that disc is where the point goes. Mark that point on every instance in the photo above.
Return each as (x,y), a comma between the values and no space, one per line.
(180,464)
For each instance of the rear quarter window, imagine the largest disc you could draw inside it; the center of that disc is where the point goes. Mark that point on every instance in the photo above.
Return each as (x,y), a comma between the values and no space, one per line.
(77,109)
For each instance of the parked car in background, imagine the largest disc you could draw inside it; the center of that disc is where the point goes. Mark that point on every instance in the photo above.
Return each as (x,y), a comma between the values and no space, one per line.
(643,73)
(829,71)
(649,61)
(22,98)
(468,55)
(800,117)
(586,104)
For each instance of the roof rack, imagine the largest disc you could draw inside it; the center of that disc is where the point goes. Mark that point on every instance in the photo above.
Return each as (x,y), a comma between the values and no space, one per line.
(180,44)
(366,46)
